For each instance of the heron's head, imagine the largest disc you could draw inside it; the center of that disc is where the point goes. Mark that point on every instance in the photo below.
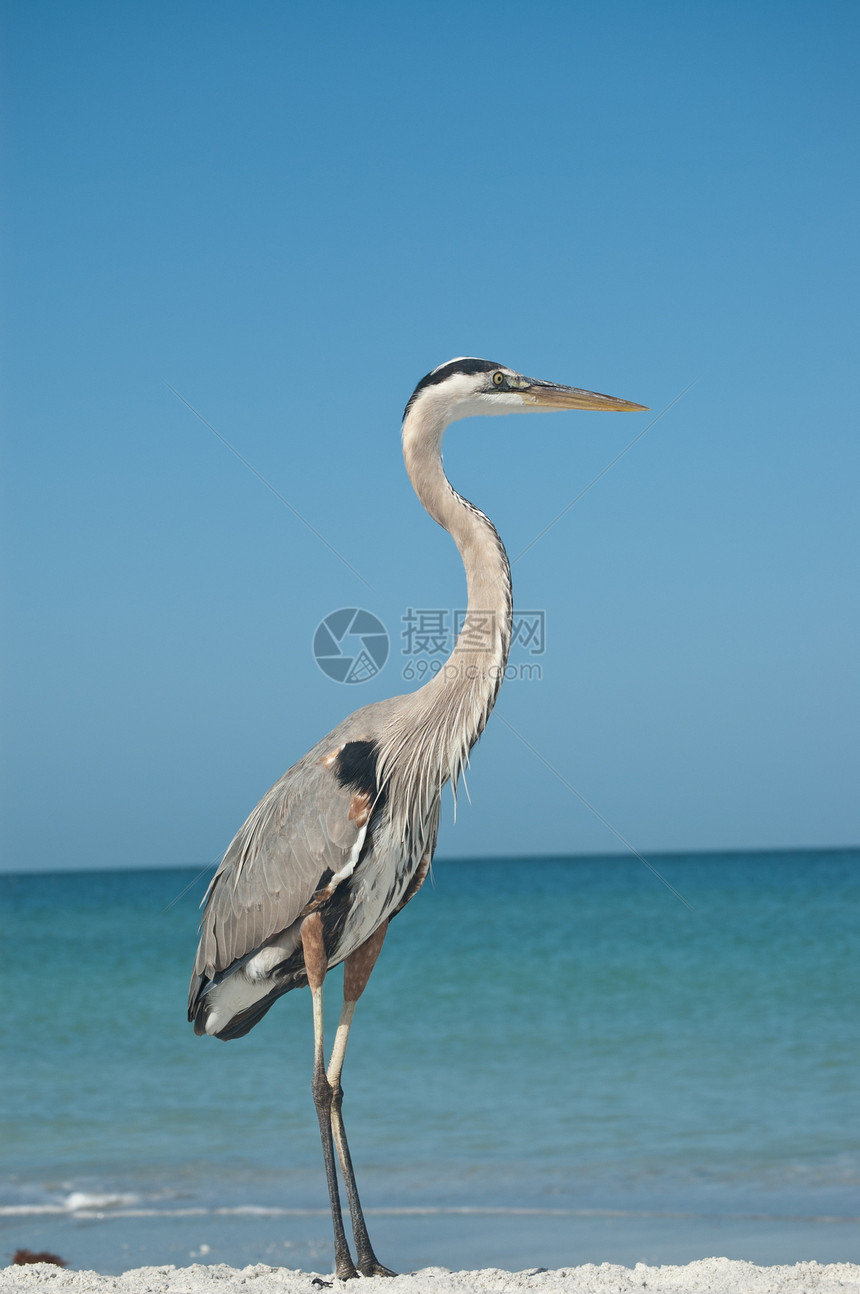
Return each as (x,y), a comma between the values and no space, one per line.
(463,388)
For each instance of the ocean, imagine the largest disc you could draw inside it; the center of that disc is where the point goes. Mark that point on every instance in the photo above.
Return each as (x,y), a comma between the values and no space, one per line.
(556,1061)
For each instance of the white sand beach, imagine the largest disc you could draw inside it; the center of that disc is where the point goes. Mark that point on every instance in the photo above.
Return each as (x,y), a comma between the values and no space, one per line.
(708,1276)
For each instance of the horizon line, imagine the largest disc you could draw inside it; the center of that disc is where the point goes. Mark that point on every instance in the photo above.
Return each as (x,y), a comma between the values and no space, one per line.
(614,856)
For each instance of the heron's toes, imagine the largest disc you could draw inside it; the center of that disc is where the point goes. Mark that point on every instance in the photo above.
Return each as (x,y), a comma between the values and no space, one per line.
(346,1270)
(373,1267)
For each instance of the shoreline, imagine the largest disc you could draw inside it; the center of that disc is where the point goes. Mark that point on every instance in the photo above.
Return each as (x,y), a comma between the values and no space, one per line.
(466,1240)
(705,1276)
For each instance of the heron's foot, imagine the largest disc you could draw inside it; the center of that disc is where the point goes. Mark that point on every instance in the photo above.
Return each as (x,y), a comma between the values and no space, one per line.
(346,1270)
(373,1267)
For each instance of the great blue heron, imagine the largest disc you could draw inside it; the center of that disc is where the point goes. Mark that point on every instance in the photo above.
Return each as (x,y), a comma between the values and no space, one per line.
(344,840)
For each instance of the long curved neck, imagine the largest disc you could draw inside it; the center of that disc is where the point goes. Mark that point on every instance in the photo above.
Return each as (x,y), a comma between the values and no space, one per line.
(441,722)
(484,641)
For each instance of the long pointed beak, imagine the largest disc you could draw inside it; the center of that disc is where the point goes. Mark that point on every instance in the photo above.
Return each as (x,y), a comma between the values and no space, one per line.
(549,395)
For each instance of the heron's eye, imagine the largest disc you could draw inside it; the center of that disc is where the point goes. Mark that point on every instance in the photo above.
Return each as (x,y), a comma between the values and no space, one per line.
(498,379)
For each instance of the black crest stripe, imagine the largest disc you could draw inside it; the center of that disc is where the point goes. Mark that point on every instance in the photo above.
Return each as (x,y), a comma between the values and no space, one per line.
(464,366)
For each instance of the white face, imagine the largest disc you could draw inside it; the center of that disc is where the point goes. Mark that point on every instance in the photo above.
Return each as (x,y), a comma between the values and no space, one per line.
(468,395)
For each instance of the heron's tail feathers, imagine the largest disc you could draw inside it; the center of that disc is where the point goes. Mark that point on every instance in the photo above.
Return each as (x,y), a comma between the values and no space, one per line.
(229,1007)
(241,1023)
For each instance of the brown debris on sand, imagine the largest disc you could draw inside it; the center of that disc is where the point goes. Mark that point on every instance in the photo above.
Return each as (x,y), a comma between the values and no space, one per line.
(21,1257)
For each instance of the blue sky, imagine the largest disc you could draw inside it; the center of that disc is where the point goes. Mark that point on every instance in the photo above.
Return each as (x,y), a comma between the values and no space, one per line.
(289,214)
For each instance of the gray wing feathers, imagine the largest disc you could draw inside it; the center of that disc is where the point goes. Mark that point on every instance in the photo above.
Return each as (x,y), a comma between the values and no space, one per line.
(298,832)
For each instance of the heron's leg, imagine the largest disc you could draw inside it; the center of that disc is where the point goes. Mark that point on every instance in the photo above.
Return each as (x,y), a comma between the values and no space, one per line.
(316,965)
(356,973)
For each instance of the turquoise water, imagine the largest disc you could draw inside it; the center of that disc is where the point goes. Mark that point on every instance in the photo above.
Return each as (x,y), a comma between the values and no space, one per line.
(555,1061)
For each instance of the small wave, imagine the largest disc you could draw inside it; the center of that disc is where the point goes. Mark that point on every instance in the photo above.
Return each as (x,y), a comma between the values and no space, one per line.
(26,1210)
(74,1202)
(79,1201)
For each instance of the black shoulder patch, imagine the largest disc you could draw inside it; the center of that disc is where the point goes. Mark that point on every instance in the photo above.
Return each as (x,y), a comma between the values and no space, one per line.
(438,375)
(356,766)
